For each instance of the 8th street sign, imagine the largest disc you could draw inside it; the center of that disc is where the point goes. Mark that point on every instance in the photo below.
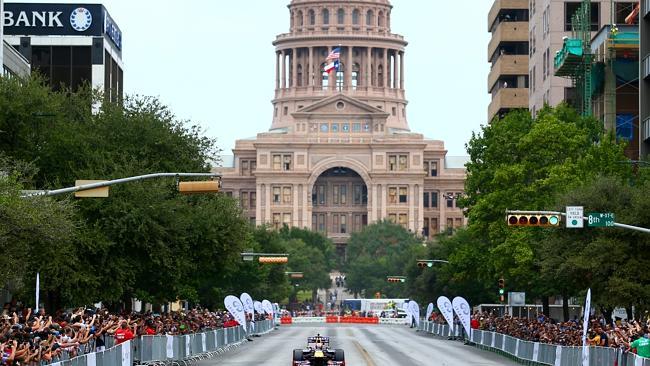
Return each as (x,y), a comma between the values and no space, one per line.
(600,219)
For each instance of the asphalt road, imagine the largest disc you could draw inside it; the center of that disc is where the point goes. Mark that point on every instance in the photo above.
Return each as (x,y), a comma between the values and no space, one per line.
(364,345)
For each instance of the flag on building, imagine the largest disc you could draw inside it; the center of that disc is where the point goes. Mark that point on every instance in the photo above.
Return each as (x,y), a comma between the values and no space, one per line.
(334,65)
(334,55)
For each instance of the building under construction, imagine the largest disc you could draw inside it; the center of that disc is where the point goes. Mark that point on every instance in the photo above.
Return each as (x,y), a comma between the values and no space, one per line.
(604,69)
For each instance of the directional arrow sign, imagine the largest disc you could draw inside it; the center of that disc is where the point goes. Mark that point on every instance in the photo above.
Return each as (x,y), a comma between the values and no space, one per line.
(574,217)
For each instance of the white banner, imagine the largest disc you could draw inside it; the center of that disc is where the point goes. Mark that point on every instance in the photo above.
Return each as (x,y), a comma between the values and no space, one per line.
(249,308)
(392,320)
(585,326)
(267,306)
(464,312)
(429,311)
(91,359)
(258,307)
(446,309)
(309,319)
(170,346)
(126,353)
(407,309)
(236,308)
(38,290)
(414,309)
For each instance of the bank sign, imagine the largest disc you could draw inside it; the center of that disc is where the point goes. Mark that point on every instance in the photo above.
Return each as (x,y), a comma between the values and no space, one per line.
(22,19)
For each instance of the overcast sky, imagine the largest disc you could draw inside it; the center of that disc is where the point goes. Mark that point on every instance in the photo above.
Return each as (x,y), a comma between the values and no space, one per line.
(212,61)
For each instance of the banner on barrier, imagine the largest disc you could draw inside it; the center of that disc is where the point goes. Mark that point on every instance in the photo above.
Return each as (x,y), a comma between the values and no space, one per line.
(309,319)
(462,309)
(429,310)
(446,309)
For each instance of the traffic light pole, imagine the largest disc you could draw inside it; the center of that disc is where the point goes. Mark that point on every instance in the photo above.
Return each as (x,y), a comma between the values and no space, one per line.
(85,187)
(616,224)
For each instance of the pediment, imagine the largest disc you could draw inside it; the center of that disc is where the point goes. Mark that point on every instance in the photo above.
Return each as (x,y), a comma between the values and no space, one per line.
(341,105)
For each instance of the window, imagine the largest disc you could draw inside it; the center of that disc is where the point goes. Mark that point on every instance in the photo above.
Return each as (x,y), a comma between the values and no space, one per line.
(335,224)
(286,195)
(433,226)
(431,168)
(286,162)
(344,194)
(253,200)
(430,199)
(285,110)
(277,162)
(276,194)
(244,167)
(340,16)
(434,199)
(286,219)
(397,162)
(326,16)
(380,75)
(245,204)
(403,162)
(544,66)
(335,194)
(450,225)
(394,111)
(344,224)
(570,8)
(623,10)
(392,195)
(277,221)
(548,62)
(322,223)
(403,196)
(369,18)
(355,17)
(299,76)
(253,166)
(392,218)
(425,227)
(426,200)
(322,198)
(403,220)
(312,17)
(450,199)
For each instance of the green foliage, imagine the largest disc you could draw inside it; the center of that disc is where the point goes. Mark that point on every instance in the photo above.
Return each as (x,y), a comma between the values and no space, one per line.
(523,163)
(382,249)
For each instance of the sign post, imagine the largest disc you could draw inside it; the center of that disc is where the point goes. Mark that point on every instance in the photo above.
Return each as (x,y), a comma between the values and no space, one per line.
(575,217)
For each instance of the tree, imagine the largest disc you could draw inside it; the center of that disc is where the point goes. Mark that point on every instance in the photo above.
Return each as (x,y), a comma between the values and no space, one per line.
(381,249)
(524,163)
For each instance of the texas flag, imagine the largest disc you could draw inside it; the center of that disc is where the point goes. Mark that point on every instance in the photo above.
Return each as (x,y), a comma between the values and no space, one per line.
(332,66)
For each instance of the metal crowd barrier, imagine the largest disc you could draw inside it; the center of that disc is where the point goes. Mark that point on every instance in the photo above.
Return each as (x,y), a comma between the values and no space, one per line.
(534,353)
(146,349)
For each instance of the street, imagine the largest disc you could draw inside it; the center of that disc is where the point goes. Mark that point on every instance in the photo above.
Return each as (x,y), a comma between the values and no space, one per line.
(363,345)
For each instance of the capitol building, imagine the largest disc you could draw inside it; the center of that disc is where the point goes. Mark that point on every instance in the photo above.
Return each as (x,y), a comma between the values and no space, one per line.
(339,153)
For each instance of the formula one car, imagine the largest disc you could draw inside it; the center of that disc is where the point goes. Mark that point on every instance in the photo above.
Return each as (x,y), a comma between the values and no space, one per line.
(318,353)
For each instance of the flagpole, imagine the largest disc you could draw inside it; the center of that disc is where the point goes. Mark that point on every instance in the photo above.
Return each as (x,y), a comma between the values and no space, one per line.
(337,71)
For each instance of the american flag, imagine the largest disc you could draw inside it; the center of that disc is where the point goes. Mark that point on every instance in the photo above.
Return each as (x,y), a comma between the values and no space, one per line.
(334,55)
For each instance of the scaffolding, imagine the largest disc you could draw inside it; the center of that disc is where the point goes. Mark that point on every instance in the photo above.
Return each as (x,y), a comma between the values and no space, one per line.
(575,60)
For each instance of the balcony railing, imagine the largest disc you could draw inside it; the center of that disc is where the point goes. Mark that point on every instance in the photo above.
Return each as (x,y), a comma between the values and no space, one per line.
(507,32)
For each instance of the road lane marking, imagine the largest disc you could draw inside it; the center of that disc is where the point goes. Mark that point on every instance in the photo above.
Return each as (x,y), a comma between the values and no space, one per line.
(364,354)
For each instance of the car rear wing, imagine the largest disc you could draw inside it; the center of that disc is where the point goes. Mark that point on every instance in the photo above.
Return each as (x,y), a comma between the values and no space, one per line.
(324,340)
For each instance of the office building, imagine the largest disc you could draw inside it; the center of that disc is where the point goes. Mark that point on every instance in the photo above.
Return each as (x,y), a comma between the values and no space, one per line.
(339,153)
(69,44)
(508,56)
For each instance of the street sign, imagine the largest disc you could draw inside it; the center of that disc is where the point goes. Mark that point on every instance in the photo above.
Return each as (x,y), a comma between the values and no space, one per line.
(600,219)
(574,217)
(516,298)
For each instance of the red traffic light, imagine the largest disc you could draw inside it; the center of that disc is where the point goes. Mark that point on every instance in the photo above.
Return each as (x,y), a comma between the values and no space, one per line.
(546,220)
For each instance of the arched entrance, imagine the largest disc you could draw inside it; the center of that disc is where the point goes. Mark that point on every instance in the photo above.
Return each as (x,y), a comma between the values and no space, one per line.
(339,200)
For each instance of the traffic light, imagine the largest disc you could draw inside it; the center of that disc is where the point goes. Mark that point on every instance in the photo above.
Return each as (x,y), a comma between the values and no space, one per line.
(502,288)
(549,220)
(197,187)
(396,279)
(423,264)
(273,260)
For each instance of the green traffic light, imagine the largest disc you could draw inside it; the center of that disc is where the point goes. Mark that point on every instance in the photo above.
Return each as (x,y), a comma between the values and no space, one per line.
(500,291)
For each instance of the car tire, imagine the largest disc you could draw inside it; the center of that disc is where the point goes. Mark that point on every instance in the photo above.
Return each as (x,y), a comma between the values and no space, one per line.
(339,355)
(297,355)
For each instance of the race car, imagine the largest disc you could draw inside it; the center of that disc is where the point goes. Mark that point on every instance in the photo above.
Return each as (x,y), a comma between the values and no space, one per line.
(318,353)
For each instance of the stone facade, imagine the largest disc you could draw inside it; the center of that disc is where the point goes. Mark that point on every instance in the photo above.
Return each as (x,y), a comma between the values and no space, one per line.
(340,155)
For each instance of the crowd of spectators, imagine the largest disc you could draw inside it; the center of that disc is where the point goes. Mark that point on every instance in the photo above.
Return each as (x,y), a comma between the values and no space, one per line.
(33,339)
(620,334)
